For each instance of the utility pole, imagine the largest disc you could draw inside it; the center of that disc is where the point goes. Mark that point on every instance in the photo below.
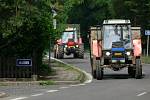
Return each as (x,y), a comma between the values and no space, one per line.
(54,27)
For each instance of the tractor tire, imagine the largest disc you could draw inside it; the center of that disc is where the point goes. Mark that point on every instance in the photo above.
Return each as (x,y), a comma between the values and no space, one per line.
(94,74)
(60,54)
(81,51)
(55,52)
(138,71)
(99,71)
(55,56)
(131,71)
(93,70)
(75,55)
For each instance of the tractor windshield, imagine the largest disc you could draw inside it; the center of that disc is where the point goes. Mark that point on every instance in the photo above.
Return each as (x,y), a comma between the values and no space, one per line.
(117,33)
(69,35)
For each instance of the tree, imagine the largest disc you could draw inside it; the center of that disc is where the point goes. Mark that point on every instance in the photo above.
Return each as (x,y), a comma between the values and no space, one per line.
(88,13)
(138,11)
(25,28)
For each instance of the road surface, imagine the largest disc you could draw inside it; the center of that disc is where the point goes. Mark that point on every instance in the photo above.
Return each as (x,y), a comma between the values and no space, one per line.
(114,86)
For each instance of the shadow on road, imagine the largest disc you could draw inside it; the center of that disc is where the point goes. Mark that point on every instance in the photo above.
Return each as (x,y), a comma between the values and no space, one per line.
(116,76)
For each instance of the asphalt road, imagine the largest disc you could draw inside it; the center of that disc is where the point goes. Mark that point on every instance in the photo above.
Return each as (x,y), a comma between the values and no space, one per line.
(114,86)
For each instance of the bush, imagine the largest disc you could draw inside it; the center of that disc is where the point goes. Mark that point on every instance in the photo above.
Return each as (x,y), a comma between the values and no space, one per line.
(146,59)
(45,70)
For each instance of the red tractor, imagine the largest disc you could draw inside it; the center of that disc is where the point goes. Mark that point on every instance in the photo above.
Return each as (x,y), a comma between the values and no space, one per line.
(70,43)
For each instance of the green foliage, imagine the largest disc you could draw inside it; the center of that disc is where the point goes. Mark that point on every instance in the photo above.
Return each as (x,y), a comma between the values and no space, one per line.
(45,70)
(25,28)
(88,13)
(63,7)
(138,11)
(146,59)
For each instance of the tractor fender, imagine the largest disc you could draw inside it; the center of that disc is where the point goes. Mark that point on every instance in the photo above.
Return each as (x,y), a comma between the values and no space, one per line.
(97,48)
(137,47)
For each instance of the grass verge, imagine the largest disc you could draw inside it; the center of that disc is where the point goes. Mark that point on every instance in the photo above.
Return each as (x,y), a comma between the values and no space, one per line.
(48,82)
(146,59)
(72,73)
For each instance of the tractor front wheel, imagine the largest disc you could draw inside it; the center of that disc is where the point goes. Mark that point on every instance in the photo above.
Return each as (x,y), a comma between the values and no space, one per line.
(99,71)
(138,71)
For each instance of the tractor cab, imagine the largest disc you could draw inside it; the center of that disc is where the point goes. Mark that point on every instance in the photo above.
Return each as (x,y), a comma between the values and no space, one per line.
(117,42)
(69,35)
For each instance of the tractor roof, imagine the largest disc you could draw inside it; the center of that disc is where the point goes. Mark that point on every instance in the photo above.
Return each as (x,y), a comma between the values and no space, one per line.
(95,27)
(135,28)
(116,21)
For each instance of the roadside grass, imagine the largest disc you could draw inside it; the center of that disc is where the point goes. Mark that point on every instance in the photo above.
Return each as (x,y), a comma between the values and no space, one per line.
(45,70)
(47,82)
(146,59)
(81,76)
(1,84)
(70,68)
(52,72)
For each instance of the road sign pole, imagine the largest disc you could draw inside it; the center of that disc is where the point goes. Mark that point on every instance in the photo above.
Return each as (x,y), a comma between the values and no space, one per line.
(147,33)
(147,45)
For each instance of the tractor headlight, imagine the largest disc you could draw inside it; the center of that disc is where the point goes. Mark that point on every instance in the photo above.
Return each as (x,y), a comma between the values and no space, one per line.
(107,53)
(77,46)
(128,53)
(65,46)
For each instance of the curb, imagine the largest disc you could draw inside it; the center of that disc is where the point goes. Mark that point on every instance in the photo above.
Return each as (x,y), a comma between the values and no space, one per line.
(146,64)
(87,78)
(36,83)
(2,94)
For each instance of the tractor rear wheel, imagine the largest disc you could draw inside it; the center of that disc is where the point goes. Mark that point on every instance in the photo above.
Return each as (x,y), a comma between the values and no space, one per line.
(138,71)
(60,52)
(81,51)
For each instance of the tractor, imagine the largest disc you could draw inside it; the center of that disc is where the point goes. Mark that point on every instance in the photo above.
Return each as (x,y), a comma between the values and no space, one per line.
(70,43)
(115,45)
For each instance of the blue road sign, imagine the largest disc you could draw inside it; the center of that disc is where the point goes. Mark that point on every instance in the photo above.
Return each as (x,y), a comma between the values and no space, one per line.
(23,62)
(147,32)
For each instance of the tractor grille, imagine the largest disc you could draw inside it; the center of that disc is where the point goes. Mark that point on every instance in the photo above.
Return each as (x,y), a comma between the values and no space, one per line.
(118,55)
